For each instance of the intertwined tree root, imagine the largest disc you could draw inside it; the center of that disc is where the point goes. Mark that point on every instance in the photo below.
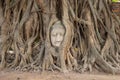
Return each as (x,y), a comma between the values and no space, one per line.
(92,39)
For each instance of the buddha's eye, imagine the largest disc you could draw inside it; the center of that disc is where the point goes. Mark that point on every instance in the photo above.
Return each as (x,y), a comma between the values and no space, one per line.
(61,34)
(54,35)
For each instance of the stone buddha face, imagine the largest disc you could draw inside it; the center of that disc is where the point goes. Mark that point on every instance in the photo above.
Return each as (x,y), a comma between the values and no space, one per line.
(57,34)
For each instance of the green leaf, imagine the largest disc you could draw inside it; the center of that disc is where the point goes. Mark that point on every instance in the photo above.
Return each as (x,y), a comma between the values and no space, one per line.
(115,0)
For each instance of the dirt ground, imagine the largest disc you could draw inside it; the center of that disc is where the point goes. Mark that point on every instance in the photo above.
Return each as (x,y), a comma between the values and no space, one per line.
(15,75)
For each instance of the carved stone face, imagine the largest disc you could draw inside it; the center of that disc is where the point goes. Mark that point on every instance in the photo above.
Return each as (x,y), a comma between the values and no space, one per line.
(57,34)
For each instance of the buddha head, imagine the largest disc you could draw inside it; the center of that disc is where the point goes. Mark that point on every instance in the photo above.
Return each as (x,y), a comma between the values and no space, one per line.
(57,33)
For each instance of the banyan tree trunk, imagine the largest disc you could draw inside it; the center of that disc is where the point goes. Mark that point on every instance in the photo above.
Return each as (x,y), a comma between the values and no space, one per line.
(91,40)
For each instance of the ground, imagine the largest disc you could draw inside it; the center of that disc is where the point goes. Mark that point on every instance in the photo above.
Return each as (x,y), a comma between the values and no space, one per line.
(17,75)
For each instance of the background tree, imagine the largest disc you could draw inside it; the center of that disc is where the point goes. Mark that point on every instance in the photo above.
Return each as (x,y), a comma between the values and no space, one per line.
(24,25)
